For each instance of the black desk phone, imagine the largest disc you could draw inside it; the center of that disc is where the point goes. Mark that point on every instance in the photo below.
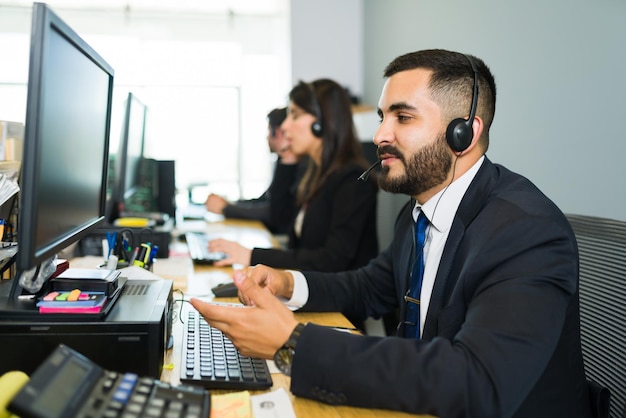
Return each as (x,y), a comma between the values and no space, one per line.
(68,384)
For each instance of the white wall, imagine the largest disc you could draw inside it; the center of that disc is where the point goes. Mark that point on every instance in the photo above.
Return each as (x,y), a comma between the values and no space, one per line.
(327,42)
(559,67)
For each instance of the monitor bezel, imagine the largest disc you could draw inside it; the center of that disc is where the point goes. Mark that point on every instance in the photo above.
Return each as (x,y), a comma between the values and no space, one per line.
(120,191)
(44,21)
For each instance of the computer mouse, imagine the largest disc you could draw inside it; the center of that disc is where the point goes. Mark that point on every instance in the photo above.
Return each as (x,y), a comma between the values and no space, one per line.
(225,290)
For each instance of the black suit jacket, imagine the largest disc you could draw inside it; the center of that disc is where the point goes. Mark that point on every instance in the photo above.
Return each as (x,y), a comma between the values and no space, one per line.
(267,208)
(501,336)
(338,230)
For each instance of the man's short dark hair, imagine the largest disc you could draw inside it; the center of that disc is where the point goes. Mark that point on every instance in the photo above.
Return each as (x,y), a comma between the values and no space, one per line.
(275,118)
(452,79)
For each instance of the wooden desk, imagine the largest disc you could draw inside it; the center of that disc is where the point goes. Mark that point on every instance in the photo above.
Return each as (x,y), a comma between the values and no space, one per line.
(198,280)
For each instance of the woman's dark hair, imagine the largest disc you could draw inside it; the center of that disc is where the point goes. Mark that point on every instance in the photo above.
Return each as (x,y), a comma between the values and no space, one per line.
(330,104)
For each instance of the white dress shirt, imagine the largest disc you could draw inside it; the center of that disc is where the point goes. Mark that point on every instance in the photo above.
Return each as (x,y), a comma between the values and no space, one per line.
(440,211)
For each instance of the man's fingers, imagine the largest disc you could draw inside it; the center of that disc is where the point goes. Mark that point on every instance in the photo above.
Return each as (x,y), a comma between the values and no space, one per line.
(255,294)
(216,314)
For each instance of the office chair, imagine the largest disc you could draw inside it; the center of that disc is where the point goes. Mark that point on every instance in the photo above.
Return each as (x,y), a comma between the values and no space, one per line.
(388,205)
(602,252)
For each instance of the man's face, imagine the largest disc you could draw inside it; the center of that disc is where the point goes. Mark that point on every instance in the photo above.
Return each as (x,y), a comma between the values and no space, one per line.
(273,140)
(416,159)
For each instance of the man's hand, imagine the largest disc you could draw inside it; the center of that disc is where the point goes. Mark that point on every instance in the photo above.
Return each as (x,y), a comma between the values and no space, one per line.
(257,330)
(215,203)
(235,253)
(278,282)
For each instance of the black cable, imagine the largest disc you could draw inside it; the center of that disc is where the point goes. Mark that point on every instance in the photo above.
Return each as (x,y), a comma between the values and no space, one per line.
(182,299)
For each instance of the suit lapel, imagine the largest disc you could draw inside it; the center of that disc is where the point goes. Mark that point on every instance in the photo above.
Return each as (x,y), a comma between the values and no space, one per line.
(472,201)
(405,250)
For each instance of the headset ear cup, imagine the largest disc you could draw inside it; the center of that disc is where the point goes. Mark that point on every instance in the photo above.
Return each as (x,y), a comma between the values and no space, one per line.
(459,134)
(316,128)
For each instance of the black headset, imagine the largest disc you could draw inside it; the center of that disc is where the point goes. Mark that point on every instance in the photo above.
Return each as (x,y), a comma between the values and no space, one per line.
(460,133)
(317,128)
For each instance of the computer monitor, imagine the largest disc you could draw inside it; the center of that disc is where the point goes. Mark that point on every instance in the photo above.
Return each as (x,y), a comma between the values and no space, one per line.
(127,160)
(66,145)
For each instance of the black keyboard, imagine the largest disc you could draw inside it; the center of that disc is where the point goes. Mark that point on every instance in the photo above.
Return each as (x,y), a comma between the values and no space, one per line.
(209,359)
(198,244)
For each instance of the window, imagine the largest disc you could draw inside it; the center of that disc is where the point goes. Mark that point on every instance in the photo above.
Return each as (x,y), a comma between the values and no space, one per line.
(208,77)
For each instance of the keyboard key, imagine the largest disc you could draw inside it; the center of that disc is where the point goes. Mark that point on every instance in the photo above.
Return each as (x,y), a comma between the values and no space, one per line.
(134,397)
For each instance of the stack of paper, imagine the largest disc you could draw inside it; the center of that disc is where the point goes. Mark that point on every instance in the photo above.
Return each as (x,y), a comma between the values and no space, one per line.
(9,174)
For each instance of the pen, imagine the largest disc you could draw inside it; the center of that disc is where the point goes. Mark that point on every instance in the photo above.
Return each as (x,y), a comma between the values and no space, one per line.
(133,257)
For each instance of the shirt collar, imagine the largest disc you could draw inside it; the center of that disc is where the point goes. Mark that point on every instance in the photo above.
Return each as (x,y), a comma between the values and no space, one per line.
(441,208)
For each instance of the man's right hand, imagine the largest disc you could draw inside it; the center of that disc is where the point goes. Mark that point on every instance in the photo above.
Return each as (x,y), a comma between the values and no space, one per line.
(278,282)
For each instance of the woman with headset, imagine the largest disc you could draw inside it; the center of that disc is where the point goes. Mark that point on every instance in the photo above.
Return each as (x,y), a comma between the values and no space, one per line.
(334,214)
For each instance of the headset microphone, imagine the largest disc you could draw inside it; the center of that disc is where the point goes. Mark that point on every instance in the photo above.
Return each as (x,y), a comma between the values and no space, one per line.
(366,173)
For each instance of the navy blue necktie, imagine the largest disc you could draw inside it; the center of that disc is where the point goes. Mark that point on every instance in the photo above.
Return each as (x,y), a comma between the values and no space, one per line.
(412,297)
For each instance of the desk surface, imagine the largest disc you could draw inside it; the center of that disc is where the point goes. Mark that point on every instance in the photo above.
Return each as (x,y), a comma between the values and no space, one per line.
(198,280)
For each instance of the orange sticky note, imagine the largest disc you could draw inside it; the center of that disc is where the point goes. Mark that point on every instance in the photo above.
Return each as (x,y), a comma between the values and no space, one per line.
(74,294)
(231,405)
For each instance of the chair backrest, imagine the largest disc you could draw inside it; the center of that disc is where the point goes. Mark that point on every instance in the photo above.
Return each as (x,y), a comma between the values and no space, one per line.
(602,251)
(388,207)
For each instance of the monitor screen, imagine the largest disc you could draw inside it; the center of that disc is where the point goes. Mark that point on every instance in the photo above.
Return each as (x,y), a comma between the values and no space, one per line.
(129,154)
(66,145)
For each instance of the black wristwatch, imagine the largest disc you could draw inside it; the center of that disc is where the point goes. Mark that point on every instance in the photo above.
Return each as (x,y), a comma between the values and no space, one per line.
(283,358)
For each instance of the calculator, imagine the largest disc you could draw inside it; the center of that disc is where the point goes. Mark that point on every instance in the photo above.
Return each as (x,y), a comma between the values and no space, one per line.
(68,384)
